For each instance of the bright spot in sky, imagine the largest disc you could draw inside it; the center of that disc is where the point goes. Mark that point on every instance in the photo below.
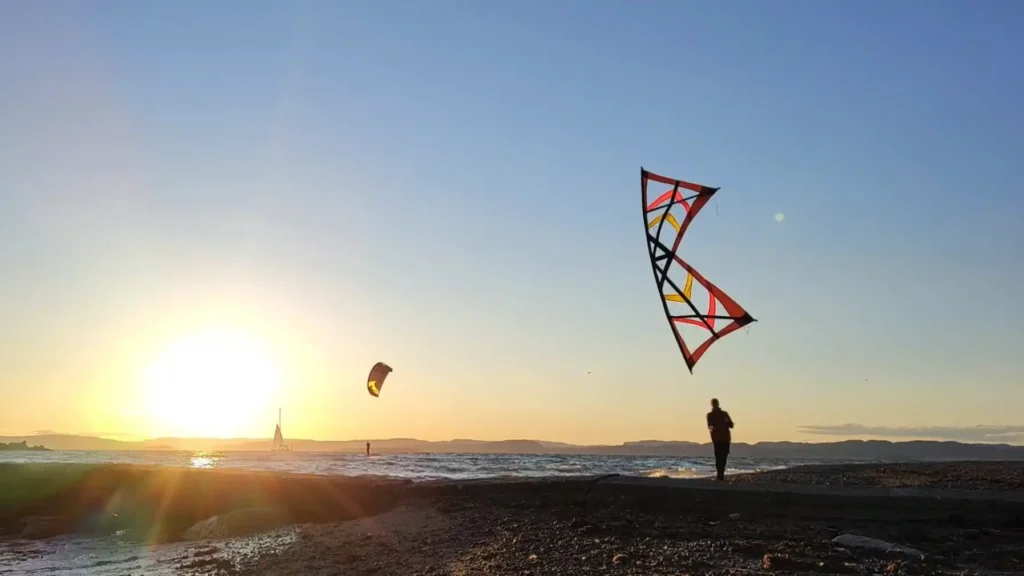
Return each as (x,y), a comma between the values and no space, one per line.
(217,383)
(779,216)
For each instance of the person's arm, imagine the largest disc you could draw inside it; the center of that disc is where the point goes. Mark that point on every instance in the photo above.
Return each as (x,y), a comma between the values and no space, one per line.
(711,427)
(728,419)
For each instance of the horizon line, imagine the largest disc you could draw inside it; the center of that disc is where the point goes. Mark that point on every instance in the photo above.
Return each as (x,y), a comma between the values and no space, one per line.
(241,439)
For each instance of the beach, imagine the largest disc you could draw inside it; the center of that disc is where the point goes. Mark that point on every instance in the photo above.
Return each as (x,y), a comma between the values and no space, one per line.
(944,518)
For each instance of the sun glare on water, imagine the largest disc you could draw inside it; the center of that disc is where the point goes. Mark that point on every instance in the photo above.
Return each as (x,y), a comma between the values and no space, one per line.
(212,384)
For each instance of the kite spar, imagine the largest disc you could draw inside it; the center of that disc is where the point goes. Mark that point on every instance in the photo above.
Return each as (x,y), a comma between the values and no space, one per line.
(688,199)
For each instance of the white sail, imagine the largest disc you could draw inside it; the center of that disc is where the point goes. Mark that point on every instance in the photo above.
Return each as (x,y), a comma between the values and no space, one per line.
(278,444)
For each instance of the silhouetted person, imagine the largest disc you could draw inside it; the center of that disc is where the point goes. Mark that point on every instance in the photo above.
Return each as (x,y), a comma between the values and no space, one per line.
(720,426)
(367,448)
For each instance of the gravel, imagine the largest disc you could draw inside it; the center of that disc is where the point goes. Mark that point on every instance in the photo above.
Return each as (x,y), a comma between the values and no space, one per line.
(481,533)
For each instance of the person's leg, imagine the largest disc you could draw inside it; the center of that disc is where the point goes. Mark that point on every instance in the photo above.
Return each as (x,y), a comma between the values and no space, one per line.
(725,459)
(720,461)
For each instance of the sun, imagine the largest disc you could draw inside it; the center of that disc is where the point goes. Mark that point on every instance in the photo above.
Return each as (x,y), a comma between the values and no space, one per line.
(214,384)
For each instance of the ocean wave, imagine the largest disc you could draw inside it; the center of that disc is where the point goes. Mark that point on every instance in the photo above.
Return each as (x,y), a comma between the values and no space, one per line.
(678,473)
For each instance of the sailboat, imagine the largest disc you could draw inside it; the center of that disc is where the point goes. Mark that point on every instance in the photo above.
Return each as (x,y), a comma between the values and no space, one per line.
(279,445)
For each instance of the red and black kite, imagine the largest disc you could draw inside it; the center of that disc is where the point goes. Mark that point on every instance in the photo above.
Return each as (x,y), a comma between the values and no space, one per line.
(685,200)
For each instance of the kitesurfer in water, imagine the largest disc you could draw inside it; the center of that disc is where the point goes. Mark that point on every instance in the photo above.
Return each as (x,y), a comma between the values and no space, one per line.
(367,448)
(720,425)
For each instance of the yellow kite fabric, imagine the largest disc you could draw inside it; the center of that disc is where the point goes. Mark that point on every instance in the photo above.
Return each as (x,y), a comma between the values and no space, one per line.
(375,381)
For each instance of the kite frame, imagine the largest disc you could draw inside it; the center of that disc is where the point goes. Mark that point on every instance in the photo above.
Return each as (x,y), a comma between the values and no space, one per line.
(658,251)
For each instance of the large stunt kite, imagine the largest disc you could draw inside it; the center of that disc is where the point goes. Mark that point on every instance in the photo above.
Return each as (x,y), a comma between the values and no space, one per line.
(684,199)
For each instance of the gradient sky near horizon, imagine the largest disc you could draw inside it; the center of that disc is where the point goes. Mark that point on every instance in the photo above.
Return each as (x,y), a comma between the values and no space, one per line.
(452,187)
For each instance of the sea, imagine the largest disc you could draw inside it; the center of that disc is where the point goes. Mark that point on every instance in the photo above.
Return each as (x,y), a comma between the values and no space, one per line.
(117,555)
(414,466)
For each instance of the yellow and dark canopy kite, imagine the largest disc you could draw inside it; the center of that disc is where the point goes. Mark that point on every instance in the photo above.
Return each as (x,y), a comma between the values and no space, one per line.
(375,381)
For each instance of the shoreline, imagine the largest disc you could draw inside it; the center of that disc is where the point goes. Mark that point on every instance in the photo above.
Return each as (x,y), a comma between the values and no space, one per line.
(952,512)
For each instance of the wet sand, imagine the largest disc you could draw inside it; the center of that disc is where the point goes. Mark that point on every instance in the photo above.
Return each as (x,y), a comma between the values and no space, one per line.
(963,517)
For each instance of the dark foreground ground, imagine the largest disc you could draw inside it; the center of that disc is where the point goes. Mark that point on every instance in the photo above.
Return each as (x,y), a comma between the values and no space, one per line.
(1006,476)
(757,524)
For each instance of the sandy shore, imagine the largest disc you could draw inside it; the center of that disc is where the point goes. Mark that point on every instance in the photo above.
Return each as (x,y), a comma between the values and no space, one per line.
(963,518)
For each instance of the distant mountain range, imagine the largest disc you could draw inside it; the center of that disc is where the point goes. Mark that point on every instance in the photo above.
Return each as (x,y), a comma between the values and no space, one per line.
(846,450)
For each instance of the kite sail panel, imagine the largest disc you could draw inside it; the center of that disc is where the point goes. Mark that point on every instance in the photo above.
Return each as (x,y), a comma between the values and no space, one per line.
(677,208)
(375,381)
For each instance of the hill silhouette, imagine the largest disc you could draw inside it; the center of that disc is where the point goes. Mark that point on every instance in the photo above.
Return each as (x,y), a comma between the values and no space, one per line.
(20,447)
(845,450)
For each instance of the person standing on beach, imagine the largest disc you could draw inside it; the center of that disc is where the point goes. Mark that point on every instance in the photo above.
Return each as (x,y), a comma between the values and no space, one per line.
(720,426)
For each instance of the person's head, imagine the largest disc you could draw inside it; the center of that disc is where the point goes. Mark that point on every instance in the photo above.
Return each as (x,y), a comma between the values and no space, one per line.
(714,402)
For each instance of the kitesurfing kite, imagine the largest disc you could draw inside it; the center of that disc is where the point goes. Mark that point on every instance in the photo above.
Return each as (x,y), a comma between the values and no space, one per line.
(684,199)
(375,381)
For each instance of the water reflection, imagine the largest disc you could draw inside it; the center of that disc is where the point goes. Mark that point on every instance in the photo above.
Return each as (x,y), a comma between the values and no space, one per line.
(202,461)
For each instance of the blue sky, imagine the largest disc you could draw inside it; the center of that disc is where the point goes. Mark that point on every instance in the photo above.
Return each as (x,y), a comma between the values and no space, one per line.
(453,187)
